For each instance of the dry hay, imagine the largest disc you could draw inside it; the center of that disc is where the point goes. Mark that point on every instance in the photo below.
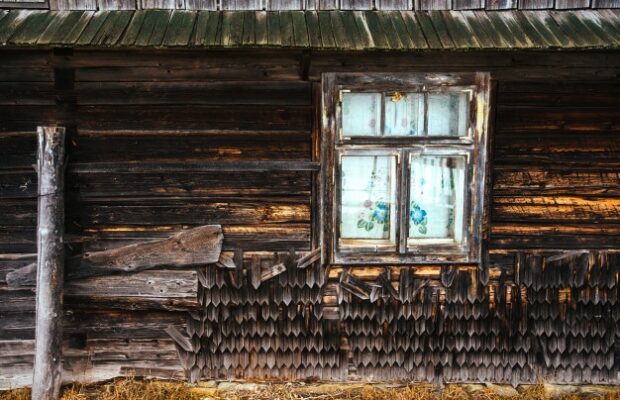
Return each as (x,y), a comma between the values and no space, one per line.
(135,389)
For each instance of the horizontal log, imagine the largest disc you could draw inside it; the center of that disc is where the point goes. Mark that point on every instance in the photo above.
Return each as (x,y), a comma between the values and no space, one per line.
(171,211)
(558,208)
(191,146)
(188,182)
(191,247)
(27,93)
(172,290)
(186,93)
(104,324)
(259,117)
(182,73)
(258,237)
(41,74)
(190,167)
(560,181)
(18,183)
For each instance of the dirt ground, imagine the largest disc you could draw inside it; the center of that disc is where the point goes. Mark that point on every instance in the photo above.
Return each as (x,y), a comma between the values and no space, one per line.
(137,389)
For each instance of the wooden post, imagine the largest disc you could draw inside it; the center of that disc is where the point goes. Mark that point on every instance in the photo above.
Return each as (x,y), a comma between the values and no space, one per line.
(50,263)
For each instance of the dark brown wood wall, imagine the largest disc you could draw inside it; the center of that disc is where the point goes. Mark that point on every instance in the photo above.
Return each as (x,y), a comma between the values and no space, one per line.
(160,141)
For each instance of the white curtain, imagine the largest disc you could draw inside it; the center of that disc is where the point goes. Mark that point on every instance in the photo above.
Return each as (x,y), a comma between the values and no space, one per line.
(361,114)
(447,114)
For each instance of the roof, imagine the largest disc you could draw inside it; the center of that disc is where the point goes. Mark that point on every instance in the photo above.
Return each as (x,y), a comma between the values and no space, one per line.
(322,30)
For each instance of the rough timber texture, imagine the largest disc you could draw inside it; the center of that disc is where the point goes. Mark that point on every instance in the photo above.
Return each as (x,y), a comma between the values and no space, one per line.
(160,141)
(288,5)
(50,262)
(322,30)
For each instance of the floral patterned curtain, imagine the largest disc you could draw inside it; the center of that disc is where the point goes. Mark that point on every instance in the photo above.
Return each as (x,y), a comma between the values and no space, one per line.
(436,195)
(367,197)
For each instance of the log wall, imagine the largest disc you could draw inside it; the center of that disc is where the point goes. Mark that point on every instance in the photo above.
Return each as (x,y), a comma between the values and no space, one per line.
(159,141)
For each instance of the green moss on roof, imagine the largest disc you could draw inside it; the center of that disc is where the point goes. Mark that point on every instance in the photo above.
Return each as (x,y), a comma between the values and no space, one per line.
(323,30)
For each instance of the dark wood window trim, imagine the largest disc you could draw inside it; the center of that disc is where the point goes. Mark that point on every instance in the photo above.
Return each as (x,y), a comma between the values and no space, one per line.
(474,147)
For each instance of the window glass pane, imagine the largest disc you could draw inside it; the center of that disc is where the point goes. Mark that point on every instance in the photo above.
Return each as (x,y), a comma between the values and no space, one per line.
(448,114)
(404,114)
(367,197)
(436,198)
(361,114)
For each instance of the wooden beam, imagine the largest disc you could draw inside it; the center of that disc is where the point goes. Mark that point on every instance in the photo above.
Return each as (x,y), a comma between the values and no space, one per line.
(196,246)
(50,263)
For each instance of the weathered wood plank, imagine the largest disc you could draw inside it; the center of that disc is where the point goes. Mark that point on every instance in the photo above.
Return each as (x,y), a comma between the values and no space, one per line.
(194,93)
(556,208)
(149,32)
(232,5)
(327,33)
(300,30)
(180,28)
(468,4)
(201,5)
(356,4)
(285,5)
(31,28)
(49,269)
(314,32)
(416,33)
(260,28)
(249,28)
(378,35)
(500,4)
(547,181)
(571,4)
(433,5)
(117,4)
(111,31)
(287,35)
(394,4)
(274,37)
(94,24)
(441,29)
(171,290)
(535,4)
(191,247)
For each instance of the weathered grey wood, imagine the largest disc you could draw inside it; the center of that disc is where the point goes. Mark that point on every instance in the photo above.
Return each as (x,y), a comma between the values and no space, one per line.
(195,246)
(328,4)
(179,338)
(570,4)
(356,4)
(284,4)
(394,4)
(233,5)
(535,4)
(274,271)
(50,263)
(309,258)
(116,4)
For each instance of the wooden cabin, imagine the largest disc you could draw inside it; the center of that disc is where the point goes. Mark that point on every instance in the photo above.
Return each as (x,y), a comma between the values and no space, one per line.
(329,190)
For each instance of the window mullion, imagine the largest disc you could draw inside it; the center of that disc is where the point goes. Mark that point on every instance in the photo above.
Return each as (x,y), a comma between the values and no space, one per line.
(402,200)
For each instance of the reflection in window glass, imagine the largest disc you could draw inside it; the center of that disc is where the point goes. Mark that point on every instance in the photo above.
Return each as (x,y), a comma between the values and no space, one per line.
(436,198)
(447,114)
(404,114)
(361,114)
(367,197)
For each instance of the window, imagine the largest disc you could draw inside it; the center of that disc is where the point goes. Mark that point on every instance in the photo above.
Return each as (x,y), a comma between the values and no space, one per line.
(404,159)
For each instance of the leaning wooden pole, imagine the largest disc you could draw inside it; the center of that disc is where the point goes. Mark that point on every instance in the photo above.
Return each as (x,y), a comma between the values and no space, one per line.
(50,263)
